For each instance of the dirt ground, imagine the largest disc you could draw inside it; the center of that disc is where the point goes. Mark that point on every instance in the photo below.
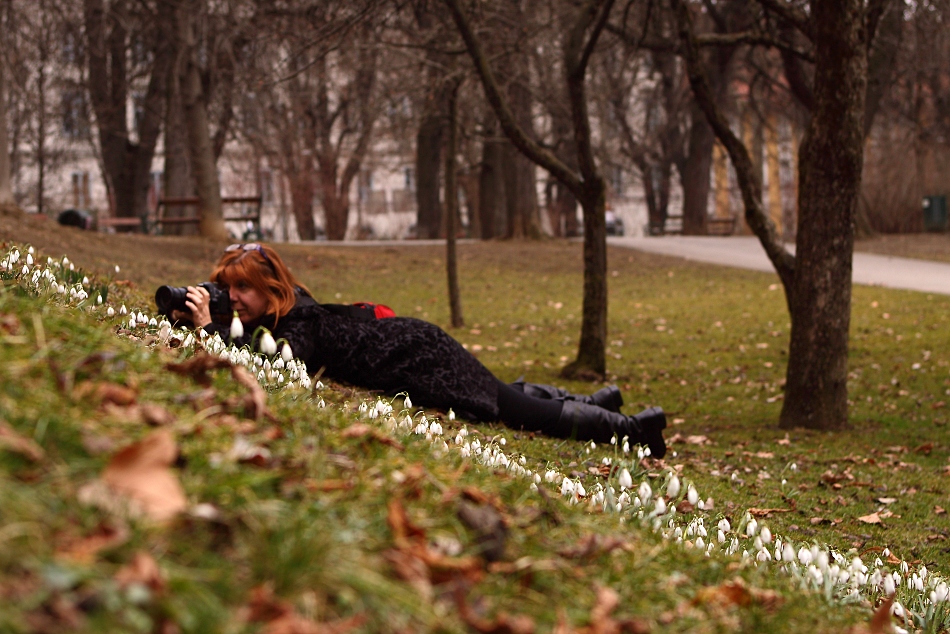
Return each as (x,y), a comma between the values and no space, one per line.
(155,260)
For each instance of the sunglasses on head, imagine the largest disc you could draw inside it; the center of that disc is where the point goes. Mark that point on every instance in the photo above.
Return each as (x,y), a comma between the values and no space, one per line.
(250,246)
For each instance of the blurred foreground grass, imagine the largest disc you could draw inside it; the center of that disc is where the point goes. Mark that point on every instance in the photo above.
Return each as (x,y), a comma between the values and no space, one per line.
(303,519)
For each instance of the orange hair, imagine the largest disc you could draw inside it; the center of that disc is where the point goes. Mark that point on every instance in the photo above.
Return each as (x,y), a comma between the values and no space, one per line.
(268,275)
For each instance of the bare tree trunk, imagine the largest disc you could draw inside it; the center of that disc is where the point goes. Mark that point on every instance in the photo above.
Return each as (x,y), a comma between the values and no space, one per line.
(41,117)
(177,173)
(428,162)
(301,202)
(491,183)
(6,186)
(831,159)
(695,176)
(451,206)
(201,149)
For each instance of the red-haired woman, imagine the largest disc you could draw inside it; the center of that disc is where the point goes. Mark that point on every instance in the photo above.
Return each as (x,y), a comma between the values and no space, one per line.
(402,354)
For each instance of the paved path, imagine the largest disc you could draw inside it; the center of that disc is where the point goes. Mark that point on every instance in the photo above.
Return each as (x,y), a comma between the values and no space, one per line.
(746,253)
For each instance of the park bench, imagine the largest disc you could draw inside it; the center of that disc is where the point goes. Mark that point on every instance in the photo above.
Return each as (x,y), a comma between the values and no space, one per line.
(253,217)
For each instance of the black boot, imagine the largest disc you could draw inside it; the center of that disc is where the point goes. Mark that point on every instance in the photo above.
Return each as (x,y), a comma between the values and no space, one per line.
(608,398)
(583,421)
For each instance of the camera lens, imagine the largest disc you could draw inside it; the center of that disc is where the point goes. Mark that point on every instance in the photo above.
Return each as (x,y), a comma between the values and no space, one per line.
(169,298)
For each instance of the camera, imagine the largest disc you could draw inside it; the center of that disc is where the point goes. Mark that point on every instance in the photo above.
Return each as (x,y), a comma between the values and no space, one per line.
(169,298)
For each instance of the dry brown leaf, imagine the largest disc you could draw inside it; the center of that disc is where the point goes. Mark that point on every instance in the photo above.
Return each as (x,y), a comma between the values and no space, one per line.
(503,622)
(403,530)
(9,323)
(737,593)
(115,394)
(141,472)
(362,430)
(757,512)
(939,510)
(12,441)
(873,518)
(880,622)
(155,415)
(279,616)
(198,367)
(144,570)
(925,448)
(85,549)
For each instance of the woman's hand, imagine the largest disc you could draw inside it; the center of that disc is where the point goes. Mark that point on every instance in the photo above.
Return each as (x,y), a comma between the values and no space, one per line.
(197,301)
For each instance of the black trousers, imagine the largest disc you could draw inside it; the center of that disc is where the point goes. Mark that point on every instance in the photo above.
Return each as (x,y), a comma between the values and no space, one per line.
(520,411)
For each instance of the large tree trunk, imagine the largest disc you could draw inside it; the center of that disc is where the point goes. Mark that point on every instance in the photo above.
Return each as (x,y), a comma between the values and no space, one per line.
(177,182)
(695,175)
(201,149)
(6,187)
(831,158)
(521,196)
(301,203)
(491,183)
(428,162)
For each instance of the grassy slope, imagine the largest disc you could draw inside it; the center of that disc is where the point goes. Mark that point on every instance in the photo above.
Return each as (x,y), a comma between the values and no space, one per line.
(689,342)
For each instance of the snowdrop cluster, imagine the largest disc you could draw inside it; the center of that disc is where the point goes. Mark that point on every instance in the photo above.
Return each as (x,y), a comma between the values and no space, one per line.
(922,598)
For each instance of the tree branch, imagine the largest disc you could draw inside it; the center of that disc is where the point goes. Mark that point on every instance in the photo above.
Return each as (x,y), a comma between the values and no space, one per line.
(506,118)
(794,16)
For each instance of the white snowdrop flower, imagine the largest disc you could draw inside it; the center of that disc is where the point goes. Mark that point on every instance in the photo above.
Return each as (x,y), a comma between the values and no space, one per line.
(537,478)
(117,269)
(260,377)
(29,260)
(521,460)
(877,562)
(626,446)
(752,527)
(321,403)
(408,402)
(904,567)
(700,543)
(99,300)
(701,505)
(153,322)
(940,593)
(189,341)
(550,475)
(593,445)
(24,270)
(71,267)
(502,441)
(897,579)
(61,289)
(822,560)
(123,310)
(673,488)
(858,565)
(267,366)
(132,323)
(876,578)
(237,327)
(267,345)
(579,489)
(644,492)
(889,586)
(735,476)
(793,467)
(804,556)
(763,555)
(625,480)
(279,363)
(613,440)
(660,508)
(451,415)
(886,552)
(757,543)
(567,487)
(65,259)
(788,553)
(85,280)
(691,495)
(917,583)
(364,407)
(724,525)
(286,353)
(280,378)
(435,428)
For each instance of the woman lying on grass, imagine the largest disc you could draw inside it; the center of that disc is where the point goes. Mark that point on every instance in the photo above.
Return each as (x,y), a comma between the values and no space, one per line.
(403,354)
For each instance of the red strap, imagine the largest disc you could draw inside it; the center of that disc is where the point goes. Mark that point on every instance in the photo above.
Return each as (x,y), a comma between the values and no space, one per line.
(382,312)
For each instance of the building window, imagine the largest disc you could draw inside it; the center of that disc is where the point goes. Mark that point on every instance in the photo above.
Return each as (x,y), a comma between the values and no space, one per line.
(75,114)
(81,198)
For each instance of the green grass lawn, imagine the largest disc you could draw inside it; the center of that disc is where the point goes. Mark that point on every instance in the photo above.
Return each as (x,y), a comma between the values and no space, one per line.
(303,517)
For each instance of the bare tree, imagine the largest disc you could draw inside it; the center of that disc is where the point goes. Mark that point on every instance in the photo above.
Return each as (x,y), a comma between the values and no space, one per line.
(451,205)
(582,29)
(111,31)
(817,279)
(6,184)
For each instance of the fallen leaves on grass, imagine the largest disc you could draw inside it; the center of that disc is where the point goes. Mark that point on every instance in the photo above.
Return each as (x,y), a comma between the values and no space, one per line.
(503,623)
(85,549)
(12,441)
(873,518)
(762,512)
(279,616)
(689,440)
(880,622)
(198,367)
(141,474)
(362,430)
(594,545)
(737,593)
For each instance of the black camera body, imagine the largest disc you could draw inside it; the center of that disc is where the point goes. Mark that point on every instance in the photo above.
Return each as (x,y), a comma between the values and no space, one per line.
(169,298)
